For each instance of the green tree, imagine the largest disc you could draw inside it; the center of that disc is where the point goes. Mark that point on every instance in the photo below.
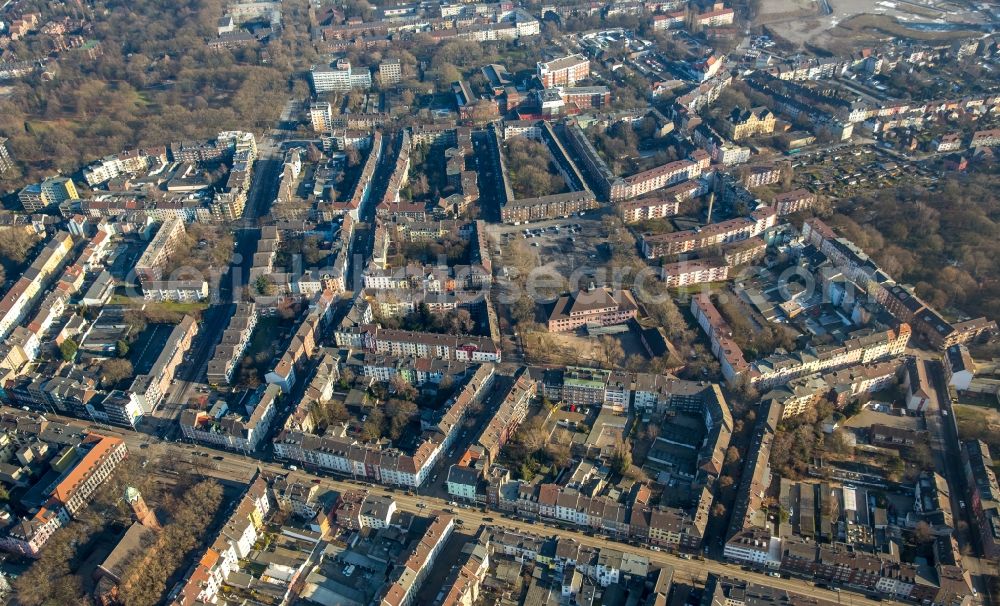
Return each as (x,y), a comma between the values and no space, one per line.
(621,460)
(114,370)
(68,349)
(121,348)
(263,286)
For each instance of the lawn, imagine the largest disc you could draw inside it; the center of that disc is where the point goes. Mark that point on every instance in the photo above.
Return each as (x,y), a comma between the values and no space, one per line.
(267,335)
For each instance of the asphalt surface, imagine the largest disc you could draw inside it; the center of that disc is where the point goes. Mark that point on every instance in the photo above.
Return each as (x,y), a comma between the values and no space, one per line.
(489,179)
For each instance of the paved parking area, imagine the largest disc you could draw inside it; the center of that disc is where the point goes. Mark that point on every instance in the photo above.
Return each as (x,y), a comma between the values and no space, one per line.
(575,244)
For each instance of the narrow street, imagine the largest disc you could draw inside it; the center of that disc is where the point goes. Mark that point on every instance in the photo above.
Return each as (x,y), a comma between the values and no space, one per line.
(364,234)
(263,188)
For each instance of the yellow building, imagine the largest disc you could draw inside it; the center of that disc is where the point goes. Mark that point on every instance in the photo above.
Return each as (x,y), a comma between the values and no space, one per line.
(746,123)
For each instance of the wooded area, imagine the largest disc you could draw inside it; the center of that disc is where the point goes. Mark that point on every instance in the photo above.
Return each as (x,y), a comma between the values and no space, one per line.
(149,86)
(945,243)
(531,170)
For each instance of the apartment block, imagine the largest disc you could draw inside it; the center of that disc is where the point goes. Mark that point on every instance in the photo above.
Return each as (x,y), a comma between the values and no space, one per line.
(28,289)
(148,389)
(648,208)
(695,271)
(408,576)
(339,452)
(390,72)
(717,17)
(985,138)
(794,201)
(339,76)
(50,192)
(526,210)
(431,345)
(235,339)
(6,159)
(225,427)
(149,267)
(233,543)
(564,71)
(128,162)
(733,230)
(90,460)
(508,417)
(745,123)
(179,291)
(321,116)
(653,179)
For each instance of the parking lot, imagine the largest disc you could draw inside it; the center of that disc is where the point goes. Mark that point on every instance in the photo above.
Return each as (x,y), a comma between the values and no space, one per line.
(565,245)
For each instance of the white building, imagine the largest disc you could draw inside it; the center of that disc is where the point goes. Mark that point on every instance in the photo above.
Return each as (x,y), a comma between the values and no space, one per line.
(339,77)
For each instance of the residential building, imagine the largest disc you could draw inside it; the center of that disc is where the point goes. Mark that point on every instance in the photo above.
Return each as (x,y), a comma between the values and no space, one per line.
(6,160)
(233,543)
(508,417)
(653,179)
(695,271)
(761,175)
(88,460)
(149,266)
(229,351)
(948,142)
(179,291)
(431,345)
(564,71)
(56,190)
(408,576)
(302,344)
(463,482)
(33,282)
(898,300)
(959,367)
(339,76)
(921,394)
(148,389)
(526,210)
(223,427)
(586,97)
(985,138)
(717,17)
(646,209)
(390,72)
(462,586)
(321,116)
(733,230)
(672,20)
(794,201)
(337,451)
(50,192)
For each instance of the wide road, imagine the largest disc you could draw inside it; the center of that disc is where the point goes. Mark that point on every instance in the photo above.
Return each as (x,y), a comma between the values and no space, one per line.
(234,467)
